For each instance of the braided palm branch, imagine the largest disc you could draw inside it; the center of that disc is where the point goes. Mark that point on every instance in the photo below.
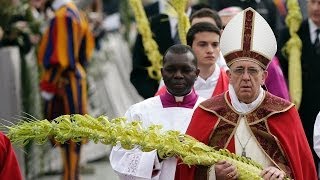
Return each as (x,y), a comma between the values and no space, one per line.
(168,143)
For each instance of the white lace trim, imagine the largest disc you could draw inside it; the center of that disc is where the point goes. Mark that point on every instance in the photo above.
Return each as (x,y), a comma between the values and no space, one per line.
(134,162)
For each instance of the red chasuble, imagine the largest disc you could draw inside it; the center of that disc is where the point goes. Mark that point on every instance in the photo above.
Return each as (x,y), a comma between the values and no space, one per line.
(222,85)
(275,124)
(9,167)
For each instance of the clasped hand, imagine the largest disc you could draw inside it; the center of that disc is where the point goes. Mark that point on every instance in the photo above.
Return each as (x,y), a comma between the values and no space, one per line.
(272,173)
(225,170)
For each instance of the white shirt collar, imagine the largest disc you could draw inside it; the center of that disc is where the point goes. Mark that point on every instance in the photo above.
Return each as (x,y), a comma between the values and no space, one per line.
(205,88)
(59,3)
(180,98)
(243,107)
(162,5)
(212,78)
(312,27)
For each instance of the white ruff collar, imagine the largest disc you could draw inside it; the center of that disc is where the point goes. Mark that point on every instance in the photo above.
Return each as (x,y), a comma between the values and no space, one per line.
(243,107)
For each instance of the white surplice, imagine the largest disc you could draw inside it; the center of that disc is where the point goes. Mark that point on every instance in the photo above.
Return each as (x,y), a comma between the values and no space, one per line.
(138,165)
(316,135)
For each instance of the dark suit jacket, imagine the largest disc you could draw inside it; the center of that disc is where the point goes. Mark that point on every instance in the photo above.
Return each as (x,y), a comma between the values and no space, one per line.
(310,63)
(152,9)
(139,77)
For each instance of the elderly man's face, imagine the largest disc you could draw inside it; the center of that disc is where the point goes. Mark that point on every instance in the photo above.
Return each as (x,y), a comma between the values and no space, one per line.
(246,77)
(179,73)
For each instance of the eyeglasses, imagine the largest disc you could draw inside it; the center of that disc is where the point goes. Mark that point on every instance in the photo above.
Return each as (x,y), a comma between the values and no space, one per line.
(250,71)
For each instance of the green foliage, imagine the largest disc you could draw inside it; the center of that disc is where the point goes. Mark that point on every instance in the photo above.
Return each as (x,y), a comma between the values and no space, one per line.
(18,24)
(6,10)
(168,143)
(10,13)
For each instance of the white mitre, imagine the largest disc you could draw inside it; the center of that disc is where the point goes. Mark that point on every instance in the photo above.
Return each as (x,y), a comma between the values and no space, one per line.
(249,37)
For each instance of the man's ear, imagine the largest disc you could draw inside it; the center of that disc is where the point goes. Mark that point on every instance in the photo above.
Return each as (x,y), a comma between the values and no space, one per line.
(264,76)
(228,73)
(198,72)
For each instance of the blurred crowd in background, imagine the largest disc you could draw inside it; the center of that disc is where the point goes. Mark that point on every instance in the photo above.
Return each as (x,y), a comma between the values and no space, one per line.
(116,61)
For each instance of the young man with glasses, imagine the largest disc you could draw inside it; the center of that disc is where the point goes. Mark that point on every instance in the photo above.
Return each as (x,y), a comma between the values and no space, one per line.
(248,120)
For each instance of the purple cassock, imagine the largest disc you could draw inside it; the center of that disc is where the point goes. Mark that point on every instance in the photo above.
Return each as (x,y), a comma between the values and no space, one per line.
(187,101)
(275,81)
